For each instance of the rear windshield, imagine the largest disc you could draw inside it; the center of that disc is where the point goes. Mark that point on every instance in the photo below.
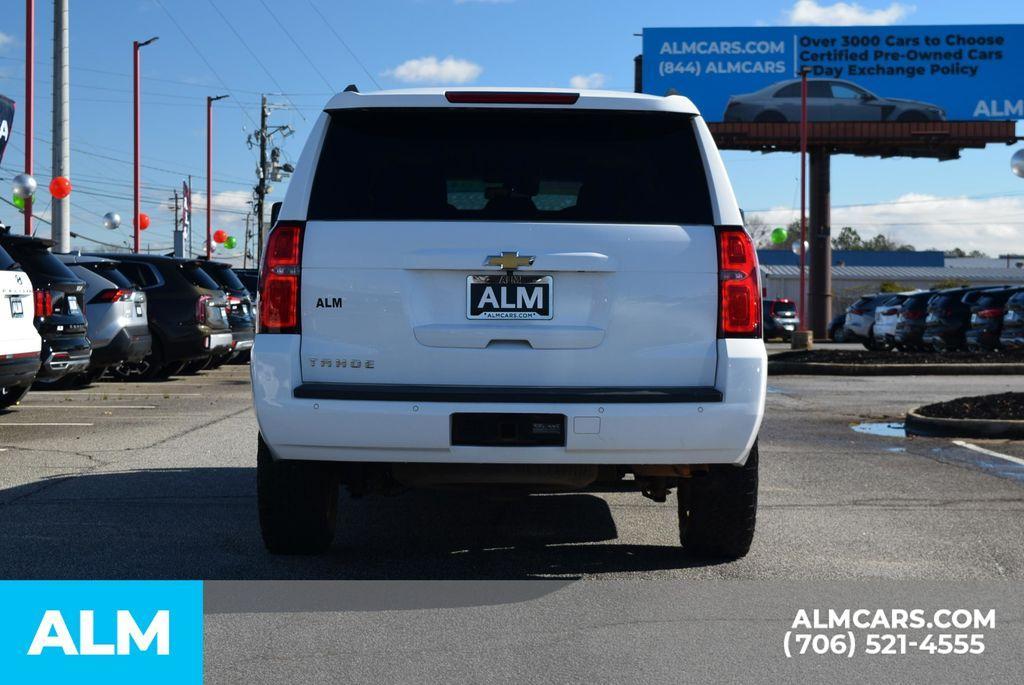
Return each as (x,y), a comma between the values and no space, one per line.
(197,277)
(946,300)
(6,261)
(863,303)
(224,275)
(511,164)
(109,272)
(993,300)
(916,302)
(40,264)
(784,308)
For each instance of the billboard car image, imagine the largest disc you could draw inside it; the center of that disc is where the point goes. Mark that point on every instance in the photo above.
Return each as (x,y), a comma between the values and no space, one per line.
(827,100)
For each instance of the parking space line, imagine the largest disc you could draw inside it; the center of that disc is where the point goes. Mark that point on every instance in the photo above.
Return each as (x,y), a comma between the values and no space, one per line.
(29,405)
(990,453)
(130,394)
(23,423)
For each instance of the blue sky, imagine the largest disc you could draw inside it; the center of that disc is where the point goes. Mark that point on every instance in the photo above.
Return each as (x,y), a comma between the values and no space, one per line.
(403,42)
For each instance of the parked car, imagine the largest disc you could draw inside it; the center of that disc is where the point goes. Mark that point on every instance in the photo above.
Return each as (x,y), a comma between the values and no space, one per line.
(909,333)
(186,308)
(827,100)
(118,325)
(407,331)
(58,309)
(860,319)
(780,318)
(20,343)
(240,310)
(249,278)
(949,317)
(887,313)
(837,329)
(1012,336)
(986,324)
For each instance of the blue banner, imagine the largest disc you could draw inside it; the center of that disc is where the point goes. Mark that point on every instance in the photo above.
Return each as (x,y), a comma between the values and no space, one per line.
(106,632)
(856,73)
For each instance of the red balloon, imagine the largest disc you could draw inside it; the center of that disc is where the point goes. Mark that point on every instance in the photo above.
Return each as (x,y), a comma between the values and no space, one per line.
(60,187)
(143,221)
(220,236)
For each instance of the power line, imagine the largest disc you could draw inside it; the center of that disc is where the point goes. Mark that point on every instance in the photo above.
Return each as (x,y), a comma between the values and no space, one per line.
(295,43)
(254,56)
(341,40)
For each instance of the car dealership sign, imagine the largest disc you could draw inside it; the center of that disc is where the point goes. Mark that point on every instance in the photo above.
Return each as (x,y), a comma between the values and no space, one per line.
(856,73)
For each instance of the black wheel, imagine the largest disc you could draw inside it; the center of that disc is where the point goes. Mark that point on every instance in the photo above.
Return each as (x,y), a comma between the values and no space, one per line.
(10,396)
(717,511)
(298,504)
(769,117)
(193,367)
(840,335)
(93,375)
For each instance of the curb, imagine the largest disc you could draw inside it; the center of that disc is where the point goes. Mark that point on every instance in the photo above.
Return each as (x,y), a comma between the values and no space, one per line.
(782,368)
(931,427)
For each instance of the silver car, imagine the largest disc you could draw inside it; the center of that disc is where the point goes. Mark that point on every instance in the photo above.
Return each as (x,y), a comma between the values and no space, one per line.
(827,100)
(116,313)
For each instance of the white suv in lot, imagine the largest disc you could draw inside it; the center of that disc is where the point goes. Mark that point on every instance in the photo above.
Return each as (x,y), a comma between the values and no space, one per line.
(509,290)
(20,344)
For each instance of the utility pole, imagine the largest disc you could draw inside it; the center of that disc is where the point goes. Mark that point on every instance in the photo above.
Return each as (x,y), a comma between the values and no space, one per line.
(189,218)
(209,171)
(179,234)
(245,243)
(61,219)
(136,46)
(261,182)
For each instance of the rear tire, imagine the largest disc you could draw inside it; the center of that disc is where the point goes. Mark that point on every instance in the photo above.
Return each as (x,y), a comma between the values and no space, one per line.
(298,504)
(12,395)
(717,512)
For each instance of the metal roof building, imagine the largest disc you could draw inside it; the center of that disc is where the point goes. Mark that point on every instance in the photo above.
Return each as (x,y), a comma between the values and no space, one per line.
(850,282)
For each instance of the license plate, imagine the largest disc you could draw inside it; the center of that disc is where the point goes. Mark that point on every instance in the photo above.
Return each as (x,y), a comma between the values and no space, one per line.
(1010,316)
(932,318)
(508,296)
(17,308)
(72,303)
(138,309)
(787,326)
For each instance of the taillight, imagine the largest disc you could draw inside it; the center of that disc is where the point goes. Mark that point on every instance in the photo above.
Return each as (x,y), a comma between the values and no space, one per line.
(43,302)
(201,303)
(994,313)
(279,280)
(914,314)
(739,307)
(890,312)
(112,295)
(856,312)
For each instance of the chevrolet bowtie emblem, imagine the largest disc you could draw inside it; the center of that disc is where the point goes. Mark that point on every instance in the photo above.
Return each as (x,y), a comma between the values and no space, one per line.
(509,260)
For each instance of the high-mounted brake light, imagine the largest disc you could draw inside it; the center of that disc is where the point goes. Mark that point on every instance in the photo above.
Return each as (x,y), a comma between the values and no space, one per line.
(492,97)
(739,307)
(44,302)
(280,280)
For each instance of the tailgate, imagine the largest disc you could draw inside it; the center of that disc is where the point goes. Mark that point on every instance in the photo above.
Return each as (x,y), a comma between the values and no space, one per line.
(392,302)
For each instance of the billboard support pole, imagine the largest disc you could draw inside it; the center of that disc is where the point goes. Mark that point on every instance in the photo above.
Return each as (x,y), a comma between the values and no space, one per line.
(803,196)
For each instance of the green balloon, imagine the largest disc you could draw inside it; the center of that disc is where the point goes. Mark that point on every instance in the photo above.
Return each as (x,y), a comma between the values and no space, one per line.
(779,235)
(19,202)
(230,242)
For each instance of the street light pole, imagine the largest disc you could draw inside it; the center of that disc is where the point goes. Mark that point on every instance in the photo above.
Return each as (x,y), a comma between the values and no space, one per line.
(30,62)
(803,195)
(209,171)
(136,45)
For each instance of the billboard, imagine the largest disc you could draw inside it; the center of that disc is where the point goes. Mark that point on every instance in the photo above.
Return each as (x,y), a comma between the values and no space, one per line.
(856,73)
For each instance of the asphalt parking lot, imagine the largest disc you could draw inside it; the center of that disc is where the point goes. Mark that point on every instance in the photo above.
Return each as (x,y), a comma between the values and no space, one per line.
(156,480)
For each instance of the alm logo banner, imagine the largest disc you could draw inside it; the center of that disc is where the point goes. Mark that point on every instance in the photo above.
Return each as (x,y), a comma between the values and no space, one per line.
(101,631)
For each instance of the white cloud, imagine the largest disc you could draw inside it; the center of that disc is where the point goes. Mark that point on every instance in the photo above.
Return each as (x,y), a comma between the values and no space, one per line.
(812,13)
(585,81)
(229,208)
(5,40)
(432,70)
(993,225)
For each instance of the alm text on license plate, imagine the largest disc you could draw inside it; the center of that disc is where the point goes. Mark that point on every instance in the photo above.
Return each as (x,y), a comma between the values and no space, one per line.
(508,296)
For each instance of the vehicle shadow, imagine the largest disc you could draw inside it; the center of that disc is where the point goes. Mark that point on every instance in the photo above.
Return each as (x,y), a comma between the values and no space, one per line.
(202,523)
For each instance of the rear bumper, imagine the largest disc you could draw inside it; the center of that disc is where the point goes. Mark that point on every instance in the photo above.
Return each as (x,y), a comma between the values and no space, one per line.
(130,345)
(329,422)
(61,356)
(18,369)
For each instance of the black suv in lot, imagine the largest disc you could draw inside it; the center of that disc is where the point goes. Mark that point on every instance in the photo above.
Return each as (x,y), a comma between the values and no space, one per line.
(240,310)
(987,318)
(1012,336)
(60,313)
(909,333)
(187,317)
(949,317)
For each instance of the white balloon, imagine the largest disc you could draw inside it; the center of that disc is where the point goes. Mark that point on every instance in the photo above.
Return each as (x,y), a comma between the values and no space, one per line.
(796,247)
(24,186)
(111,220)
(1017,163)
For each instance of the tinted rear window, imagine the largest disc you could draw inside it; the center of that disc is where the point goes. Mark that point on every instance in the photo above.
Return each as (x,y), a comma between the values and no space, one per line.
(507,164)
(197,277)
(224,275)
(6,261)
(916,302)
(784,308)
(40,264)
(993,300)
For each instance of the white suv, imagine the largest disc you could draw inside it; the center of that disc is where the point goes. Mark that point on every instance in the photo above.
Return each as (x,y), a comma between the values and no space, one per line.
(20,343)
(516,289)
